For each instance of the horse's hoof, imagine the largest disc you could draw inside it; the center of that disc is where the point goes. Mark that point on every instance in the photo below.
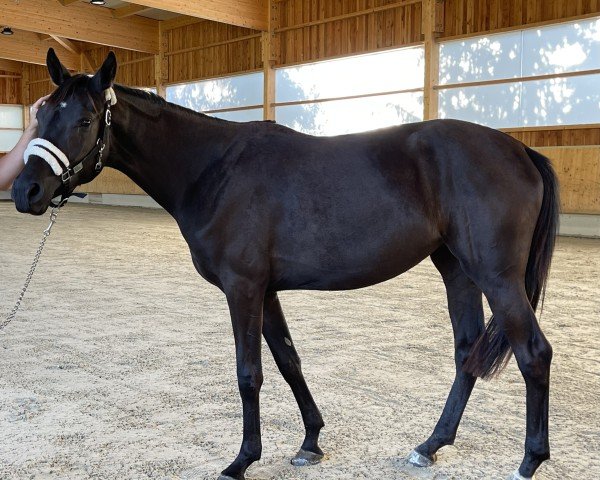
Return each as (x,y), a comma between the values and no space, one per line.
(304,458)
(517,476)
(418,460)
(225,477)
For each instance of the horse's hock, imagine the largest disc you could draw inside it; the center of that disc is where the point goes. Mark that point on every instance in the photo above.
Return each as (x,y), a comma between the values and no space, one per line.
(120,365)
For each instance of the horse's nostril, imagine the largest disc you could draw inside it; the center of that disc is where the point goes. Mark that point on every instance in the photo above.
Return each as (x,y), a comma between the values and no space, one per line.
(34,191)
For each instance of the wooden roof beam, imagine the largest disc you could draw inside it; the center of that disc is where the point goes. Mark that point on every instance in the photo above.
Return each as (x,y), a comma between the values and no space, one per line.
(10,66)
(82,22)
(129,10)
(243,13)
(68,44)
(27,47)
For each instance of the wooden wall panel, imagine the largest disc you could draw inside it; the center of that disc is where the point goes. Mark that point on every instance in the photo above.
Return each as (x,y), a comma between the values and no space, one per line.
(468,17)
(112,181)
(556,137)
(394,27)
(135,69)
(221,53)
(578,171)
(39,82)
(10,88)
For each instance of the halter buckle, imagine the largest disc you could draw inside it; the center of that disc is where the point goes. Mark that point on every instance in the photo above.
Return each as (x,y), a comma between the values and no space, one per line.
(66,176)
(101,145)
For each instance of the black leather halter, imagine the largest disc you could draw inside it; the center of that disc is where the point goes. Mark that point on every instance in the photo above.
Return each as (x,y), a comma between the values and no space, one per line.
(95,154)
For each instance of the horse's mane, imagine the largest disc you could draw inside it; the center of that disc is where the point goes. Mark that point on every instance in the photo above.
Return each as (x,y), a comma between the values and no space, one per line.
(142,94)
(159,101)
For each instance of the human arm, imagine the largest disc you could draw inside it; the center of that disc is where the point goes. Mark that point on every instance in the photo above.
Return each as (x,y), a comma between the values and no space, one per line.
(11,164)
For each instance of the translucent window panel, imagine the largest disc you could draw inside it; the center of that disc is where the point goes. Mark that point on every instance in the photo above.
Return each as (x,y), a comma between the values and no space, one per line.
(562,101)
(238,91)
(241,115)
(8,139)
(356,115)
(562,48)
(357,75)
(496,106)
(11,116)
(485,58)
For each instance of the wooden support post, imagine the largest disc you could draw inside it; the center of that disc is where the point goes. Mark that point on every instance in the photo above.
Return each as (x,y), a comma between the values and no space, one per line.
(270,57)
(161,65)
(25,94)
(82,61)
(433,24)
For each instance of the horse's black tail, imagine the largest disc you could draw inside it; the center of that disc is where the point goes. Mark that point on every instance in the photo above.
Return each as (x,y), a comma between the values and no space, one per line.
(491,352)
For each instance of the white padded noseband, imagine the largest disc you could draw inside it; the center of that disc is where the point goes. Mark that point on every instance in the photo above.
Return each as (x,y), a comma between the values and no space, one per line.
(53,155)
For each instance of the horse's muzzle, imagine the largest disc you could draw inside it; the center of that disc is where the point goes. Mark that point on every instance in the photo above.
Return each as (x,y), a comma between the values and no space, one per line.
(28,197)
(30,194)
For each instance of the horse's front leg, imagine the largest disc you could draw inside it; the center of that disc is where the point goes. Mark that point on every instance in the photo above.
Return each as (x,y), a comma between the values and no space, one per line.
(245,301)
(279,339)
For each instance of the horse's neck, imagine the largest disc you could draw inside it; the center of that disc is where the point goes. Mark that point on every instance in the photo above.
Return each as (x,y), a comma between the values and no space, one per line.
(164,150)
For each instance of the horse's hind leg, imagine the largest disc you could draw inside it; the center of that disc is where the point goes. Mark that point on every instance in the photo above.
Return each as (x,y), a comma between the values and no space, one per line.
(466,314)
(517,322)
(277,335)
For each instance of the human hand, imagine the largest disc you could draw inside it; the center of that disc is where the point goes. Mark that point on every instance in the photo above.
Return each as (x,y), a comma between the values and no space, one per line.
(33,123)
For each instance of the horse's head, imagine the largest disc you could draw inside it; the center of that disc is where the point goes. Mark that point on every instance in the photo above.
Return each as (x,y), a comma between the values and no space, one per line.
(71,131)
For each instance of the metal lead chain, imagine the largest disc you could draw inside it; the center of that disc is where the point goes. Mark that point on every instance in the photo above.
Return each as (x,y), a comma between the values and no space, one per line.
(36,259)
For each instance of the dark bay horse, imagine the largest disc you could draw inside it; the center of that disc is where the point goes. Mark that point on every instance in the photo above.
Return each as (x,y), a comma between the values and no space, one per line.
(264,208)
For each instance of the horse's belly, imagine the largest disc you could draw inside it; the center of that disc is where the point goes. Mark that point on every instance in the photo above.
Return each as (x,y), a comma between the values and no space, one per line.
(351,263)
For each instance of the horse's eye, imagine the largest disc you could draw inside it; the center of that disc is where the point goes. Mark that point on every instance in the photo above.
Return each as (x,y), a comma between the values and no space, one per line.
(86,122)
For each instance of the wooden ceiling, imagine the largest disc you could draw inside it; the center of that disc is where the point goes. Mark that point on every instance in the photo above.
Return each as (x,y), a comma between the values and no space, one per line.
(71,26)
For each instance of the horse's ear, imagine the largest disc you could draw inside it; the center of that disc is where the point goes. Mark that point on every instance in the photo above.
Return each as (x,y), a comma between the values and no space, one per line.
(58,73)
(105,77)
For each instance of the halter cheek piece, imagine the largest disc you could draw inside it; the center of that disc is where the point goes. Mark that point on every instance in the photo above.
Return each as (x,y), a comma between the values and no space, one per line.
(59,162)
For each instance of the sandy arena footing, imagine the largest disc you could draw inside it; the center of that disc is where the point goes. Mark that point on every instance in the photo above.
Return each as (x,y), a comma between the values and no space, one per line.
(120,365)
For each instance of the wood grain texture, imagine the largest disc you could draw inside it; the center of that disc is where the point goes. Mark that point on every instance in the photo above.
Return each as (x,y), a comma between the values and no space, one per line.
(135,69)
(468,17)
(330,29)
(221,53)
(112,181)
(81,21)
(10,89)
(27,47)
(37,83)
(566,136)
(244,13)
(11,66)
(578,171)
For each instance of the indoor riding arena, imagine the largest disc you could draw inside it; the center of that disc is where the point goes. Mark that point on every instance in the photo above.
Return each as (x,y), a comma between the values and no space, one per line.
(415,184)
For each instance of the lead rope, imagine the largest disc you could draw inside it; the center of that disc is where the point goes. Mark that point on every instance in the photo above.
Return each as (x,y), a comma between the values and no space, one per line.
(10,317)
